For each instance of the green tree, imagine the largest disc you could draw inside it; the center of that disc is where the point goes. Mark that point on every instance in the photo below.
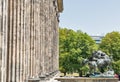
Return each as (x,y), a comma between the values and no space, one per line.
(66,48)
(86,44)
(116,66)
(111,45)
(74,46)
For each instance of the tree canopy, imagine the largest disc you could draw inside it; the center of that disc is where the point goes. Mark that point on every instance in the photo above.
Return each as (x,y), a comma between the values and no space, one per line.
(74,46)
(111,45)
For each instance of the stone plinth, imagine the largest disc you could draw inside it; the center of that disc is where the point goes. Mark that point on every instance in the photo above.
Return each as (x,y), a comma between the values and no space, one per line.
(34,80)
(80,79)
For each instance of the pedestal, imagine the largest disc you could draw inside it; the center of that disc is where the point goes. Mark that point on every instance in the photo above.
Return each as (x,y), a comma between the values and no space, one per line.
(84,79)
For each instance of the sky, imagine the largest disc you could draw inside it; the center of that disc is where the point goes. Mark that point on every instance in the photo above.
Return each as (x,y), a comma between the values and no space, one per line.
(95,17)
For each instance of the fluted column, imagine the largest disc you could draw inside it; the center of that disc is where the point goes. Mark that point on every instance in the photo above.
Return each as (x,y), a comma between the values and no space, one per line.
(0,37)
(29,39)
(4,40)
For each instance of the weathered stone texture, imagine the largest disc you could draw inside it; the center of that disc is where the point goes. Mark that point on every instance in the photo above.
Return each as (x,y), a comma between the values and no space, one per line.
(85,79)
(28,39)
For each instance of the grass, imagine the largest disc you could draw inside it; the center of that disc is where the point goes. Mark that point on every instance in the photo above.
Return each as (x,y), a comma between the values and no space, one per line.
(74,74)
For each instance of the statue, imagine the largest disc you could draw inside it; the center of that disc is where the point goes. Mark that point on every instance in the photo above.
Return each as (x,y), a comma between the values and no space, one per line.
(99,60)
(92,65)
(103,60)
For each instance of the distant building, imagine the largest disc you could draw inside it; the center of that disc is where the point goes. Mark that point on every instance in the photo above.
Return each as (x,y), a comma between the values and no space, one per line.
(97,39)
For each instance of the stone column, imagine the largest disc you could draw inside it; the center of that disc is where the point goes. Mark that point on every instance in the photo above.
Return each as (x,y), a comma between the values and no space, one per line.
(4,40)
(0,37)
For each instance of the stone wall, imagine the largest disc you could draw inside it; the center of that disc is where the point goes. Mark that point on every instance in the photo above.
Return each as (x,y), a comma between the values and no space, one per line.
(85,79)
(29,39)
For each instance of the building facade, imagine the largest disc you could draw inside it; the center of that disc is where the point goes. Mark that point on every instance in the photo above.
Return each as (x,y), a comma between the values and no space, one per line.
(29,39)
(97,39)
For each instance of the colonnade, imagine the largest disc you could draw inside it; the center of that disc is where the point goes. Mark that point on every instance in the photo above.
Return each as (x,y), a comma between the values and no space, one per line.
(28,39)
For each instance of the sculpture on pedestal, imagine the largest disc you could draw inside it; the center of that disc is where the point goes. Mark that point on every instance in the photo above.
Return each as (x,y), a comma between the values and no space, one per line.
(98,62)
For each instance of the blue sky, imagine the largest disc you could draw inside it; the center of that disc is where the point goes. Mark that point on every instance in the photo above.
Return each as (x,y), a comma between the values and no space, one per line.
(95,17)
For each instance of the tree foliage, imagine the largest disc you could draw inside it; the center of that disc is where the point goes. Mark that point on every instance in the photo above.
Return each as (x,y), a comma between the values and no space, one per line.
(74,46)
(116,66)
(111,45)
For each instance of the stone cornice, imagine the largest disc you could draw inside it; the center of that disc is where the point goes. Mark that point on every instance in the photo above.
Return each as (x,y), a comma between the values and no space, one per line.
(60,5)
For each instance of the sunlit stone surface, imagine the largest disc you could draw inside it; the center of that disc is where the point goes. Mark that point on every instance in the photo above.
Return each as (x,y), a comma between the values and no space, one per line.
(29,39)
(84,79)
